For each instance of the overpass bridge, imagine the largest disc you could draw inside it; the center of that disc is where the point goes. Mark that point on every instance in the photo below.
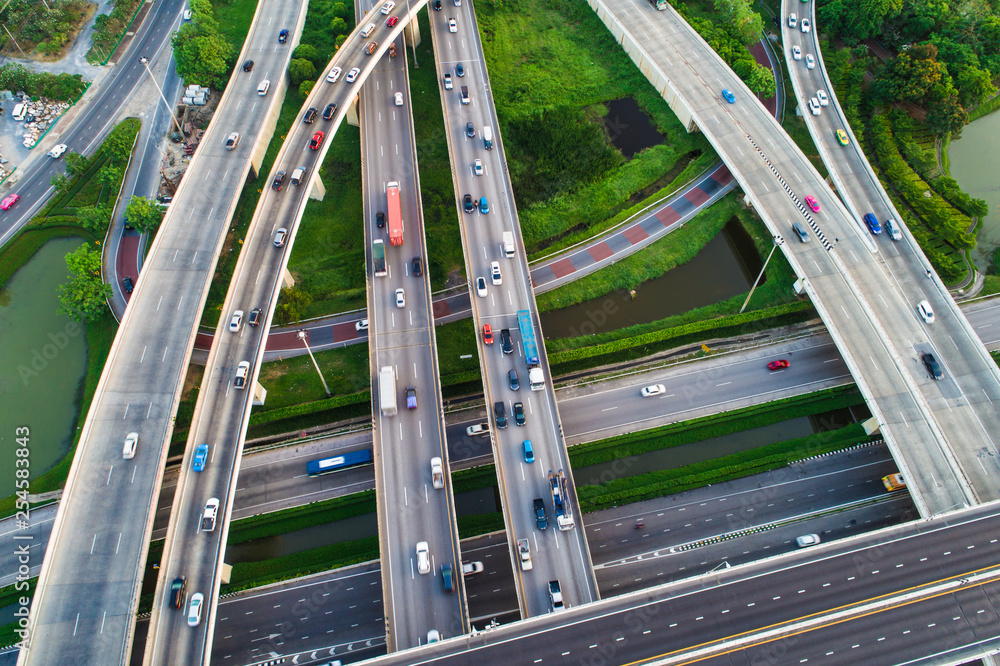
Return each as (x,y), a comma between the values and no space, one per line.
(866,288)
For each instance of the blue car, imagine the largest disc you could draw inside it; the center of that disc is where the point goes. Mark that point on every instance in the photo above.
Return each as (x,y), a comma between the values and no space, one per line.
(484,205)
(729,96)
(200,457)
(874,225)
(529,453)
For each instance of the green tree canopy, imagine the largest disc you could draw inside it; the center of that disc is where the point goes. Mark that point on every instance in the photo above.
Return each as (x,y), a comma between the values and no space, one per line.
(85,295)
(300,69)
(76,163)
(338,26)
(310,53)
(306,87)
(95,218)
(143,214)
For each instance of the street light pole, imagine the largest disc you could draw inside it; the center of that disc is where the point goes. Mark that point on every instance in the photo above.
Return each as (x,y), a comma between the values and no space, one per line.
(145,63)
(777,241)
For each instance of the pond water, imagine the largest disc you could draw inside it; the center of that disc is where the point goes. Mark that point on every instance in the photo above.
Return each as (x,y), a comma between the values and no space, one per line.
(974,161)
(629,128)
(43,360)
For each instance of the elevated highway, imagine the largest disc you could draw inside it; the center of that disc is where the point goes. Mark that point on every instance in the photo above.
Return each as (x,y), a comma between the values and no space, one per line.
(940,431)
(88,589)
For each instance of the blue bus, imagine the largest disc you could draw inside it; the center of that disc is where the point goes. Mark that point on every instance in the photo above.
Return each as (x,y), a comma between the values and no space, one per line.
(338,463)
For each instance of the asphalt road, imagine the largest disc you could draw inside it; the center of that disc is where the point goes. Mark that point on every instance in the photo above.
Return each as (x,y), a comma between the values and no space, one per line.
(410,509)
(556,555)
(865,293)
(340,612)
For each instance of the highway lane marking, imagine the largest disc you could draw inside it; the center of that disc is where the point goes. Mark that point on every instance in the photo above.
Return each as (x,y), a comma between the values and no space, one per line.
(143,355)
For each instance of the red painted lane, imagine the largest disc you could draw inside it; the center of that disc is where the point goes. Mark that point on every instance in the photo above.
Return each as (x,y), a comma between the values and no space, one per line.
(345,331)
(441,309)
(126,264)
(562,268)
(668,216)
(696,196)
(635,234)
(600,251)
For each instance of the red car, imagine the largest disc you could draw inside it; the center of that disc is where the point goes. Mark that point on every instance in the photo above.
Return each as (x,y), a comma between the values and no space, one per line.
(778,365)
(393,20)
(315,142)
(487,334)
(811,201)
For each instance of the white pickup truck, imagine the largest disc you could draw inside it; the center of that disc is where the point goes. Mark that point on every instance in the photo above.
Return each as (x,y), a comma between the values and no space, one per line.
(525,554)
(211,512)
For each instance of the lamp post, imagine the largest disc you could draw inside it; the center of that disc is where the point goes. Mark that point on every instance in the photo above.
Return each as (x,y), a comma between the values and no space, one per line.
(777,241)
(304,337)
(145,63)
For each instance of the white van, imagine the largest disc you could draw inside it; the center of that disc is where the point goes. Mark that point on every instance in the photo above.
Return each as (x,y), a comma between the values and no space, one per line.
(488,138)
(262,88)
(19,112)
(298,175)
(369,29)
(508,244)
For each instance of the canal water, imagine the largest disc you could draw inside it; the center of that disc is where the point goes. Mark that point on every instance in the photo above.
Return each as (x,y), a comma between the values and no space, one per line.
(974,161)
(43,360)
(725,267)
(628,127)
(717,447)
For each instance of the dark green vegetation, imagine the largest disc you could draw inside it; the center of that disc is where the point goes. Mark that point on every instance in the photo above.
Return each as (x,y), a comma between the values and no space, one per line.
(62,87)
(109,29)
(204,56)
(43,27)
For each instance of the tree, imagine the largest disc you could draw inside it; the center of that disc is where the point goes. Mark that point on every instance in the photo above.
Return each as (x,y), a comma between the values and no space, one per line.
(300,69)
(110,175)
(338,26)
(76,164)
(306,87)
(947,116)
(143,214)
(119,143)
(292,304)
(60,182)
(974,86)
(342,10)
(95,218)
(310,53)
(339,41)
(85,295)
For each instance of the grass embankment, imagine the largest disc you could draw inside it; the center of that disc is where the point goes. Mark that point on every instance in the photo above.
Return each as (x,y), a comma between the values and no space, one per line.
(622,491)
(56,220)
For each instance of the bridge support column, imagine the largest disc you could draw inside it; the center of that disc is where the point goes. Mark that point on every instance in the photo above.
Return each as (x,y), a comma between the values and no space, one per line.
(352,112)
(259,395)
(871,426)
(227,573)
(287,281)
(317,190)
(411,34)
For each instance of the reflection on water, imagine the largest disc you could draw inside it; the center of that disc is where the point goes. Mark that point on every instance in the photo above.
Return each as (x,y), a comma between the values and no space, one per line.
(717,447)
(974,161)
(629,128)
(725,267)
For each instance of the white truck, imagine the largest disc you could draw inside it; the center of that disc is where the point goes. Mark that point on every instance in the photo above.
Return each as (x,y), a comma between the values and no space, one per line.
(555,596)
(211,513)
(387,391)
(524,554)
(437,473)
(488,138)
(508,244)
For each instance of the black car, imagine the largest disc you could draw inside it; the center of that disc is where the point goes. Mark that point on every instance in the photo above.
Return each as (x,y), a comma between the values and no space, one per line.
(127,283)
(467,202)
(932,364)
(380,219)
(448,578)
(282,36)
(177,589)
(437,5)
(459,69)
(248,65)
(310,115)
(500,414)
(538,506)
(164,198)
(518,413)
(505,343)
(255,317)
(512,380)
(470,131)
(328,112)
(418,267)
(279,179)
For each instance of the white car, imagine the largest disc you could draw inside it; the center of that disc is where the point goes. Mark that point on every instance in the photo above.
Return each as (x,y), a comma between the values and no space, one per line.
(477,429)
(650,391)
(791,20)
(807,540)
(814,107)
(796,53)
(924,308)
(236,321)
(481,287)
(495,273)
(423,558)
(452,25)
(398,99)
(232,140)
(477,167)
(131,442)
(823,99)
(400,298)
(194,609)
(57,150)
(388,7)
(447,82)
(472,568)
(242,371)
(810,61)
(805,25)
(279,237)
(333,75)
(352,75)
(361,325)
